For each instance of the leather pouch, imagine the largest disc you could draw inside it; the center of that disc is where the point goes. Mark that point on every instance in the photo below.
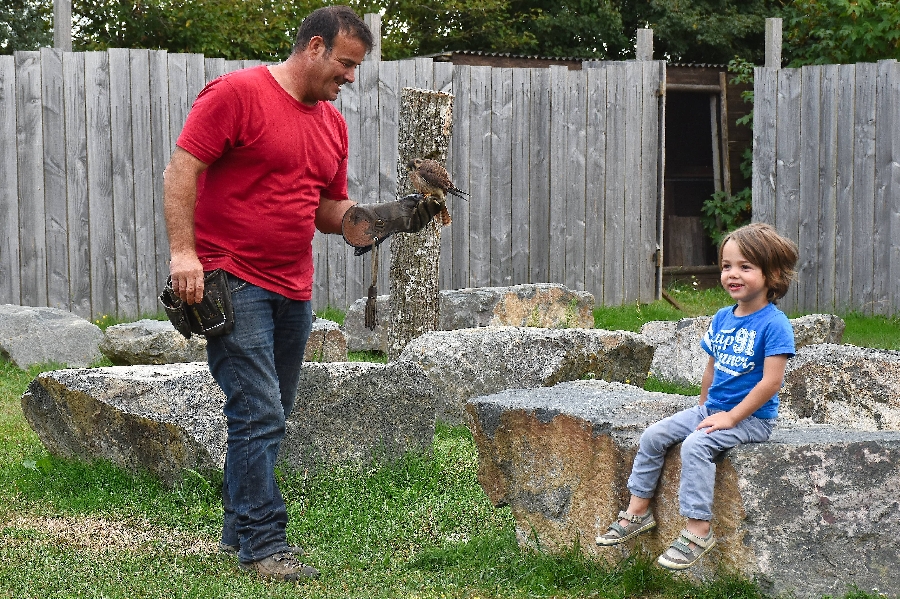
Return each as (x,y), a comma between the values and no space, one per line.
(213,316)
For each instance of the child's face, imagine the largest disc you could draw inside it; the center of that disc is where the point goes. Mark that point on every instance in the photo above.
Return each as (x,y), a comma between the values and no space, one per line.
(744,281)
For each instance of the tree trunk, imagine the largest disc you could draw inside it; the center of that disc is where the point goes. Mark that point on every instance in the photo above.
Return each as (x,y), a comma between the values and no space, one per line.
(426,119)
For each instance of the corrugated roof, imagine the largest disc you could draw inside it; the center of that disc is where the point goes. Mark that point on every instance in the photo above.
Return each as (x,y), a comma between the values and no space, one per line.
(447,56)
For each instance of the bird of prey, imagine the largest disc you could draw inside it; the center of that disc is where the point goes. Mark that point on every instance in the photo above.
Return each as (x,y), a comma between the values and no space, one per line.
(429,178)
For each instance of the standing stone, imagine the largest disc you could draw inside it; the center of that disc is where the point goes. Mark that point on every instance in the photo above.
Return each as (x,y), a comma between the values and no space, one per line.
(326,343)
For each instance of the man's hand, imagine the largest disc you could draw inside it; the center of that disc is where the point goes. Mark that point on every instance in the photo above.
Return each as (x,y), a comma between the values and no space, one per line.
(717,421)
(187,277)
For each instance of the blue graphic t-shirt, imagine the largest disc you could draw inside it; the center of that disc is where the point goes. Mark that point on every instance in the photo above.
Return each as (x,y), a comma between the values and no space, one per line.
(739,345)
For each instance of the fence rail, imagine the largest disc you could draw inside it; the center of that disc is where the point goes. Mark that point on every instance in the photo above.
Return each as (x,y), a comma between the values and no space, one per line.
(561,167)
(827,174)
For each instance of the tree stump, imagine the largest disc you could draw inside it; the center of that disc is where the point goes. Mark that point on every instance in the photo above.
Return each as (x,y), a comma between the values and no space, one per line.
(426,121)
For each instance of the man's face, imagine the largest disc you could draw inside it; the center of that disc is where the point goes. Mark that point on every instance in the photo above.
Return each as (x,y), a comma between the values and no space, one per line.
(335,68)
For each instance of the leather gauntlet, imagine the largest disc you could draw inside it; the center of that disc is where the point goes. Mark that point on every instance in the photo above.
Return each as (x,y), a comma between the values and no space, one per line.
(365,226)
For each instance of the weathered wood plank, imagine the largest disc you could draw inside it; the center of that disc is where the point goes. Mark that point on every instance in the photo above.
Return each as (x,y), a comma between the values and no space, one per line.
(595,167)
(388,126)
(78,210)
(161,148)
(885,122)
(142,165)
(520,140)
(765,89)
(351,96)
(843,231)
(893,191)
(100,184)
(9,185)
(630,248)
(195,75)
(864,188)
(650,198)
(787,166)
(559,159)
(213,68)
(501,177)
(30,146)
(808,205)
(614,240)
(179,103)
(123,184)
(442,81)
(367,147)
(54,158)
(539,177)
(825,248)
(575,123)
(459,172)
(480,212)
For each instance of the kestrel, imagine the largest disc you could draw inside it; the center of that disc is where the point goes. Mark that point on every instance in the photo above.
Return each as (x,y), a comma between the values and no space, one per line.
(429,178)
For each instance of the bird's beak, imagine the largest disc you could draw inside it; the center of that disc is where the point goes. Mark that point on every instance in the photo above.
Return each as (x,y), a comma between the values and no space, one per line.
(411,164)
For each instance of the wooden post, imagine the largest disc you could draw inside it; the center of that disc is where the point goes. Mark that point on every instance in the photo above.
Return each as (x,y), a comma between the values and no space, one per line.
(62,25)
(426,120)
(373,22)
(773,43)
(643,48)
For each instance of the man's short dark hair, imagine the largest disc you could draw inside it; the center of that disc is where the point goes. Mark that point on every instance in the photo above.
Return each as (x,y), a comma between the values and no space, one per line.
(327,22)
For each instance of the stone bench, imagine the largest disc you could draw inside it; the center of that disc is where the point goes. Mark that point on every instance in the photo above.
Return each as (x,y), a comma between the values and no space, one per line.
(811,512)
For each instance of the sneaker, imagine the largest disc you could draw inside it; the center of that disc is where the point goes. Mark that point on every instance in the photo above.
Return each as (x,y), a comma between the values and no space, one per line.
(281,566)
(616,533)
(233,549)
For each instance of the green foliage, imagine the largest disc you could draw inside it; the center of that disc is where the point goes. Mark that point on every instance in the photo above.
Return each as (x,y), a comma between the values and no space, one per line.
(632,317)
(654,384)
(25,25)
(841,31)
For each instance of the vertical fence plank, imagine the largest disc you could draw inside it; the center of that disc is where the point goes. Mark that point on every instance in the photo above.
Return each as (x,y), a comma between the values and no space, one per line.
(359,269)
(459,173)
(9,184)
(123,183)
(388,127)
(520,141)
(213,68)
(442,81)
(765,90)
(54,159)
(576,120)
(100,184)
(30,146)
(894,187)
(629,250)
(351,97)
(614,240)
(195,75)
(825,249)
(78,212)
(501,177)
(843,231)
(142,169)
(808,208)
(787,166)
(558,164)
(885,122)
(480,213)
(539,177)
(649,203)
(161,150)
(179,103)
(595,168)
(864,187)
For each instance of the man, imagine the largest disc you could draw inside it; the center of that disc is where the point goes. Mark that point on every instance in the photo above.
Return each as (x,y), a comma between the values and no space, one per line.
(262,163)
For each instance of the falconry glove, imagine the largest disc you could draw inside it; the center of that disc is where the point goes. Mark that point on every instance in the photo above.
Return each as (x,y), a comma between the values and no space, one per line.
(369,225)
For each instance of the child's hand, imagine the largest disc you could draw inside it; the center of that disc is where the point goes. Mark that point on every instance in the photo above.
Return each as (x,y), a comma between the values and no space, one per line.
(717,421)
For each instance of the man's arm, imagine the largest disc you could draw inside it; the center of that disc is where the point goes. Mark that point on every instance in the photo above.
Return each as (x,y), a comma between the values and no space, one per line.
(330,214)
(179,199)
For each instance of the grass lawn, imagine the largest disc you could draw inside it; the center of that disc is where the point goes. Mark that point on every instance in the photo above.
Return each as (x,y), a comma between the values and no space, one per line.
(420,527)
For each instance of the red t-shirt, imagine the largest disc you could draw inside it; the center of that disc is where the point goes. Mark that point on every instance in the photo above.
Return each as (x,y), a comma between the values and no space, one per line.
(271,159)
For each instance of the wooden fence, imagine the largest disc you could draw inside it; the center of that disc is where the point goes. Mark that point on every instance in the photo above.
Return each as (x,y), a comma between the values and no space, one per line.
(827,174)
(563,170)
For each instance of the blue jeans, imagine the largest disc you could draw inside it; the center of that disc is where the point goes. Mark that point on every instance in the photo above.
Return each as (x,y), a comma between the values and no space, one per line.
(698,452)
(258,367)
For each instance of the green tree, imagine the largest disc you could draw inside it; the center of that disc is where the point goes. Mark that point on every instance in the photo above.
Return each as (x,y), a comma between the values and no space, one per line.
(841,31)
(25,25)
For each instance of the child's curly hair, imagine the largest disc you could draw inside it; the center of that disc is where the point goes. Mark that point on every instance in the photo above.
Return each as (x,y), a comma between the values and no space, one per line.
(775,255)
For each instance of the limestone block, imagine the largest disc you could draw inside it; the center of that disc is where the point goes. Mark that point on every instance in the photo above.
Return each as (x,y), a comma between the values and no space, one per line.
(680,359)
(542,305)
(472,362)
(326,343)
(150,342)
(560,458)
(844,385)
(30,336)
(166,418)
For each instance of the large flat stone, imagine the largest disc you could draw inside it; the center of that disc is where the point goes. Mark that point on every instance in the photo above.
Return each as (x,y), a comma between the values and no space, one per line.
(468,363)
(166,418)
(811,512)
(30,336)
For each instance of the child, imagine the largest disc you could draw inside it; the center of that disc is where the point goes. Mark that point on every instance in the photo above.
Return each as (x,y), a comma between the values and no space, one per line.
(749,345)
